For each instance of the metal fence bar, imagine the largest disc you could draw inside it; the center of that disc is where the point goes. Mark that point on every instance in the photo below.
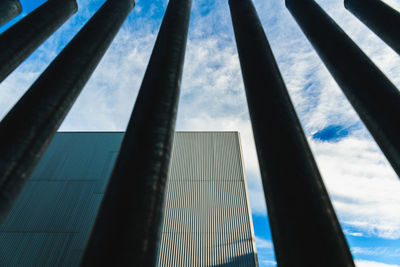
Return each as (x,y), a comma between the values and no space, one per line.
(304,226)
(128,227)
(383,20)
(373,96)
(28,128)
(9,9)
(19,41)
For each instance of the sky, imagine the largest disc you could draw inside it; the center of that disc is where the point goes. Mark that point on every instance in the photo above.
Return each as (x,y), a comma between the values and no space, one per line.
(364,189)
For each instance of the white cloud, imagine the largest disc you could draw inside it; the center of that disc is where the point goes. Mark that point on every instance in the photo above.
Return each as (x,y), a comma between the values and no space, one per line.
(107,100)
(380,53)
(358,234)
(268,263)
(363,263)
(265,252)
(377,251)
(263,243)
(362,184)
(364,188)
(359,179)
(393,3)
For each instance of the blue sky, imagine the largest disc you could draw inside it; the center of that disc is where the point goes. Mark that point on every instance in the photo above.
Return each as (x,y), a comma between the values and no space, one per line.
(364,189)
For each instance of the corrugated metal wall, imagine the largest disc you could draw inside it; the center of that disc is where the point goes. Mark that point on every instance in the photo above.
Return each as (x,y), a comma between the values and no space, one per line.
(51,221)
(207,220)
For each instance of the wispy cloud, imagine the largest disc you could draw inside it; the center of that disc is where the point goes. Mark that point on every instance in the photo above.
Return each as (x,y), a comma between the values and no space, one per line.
(351,233)
(265,252)
(263,243)
(359,179)
(363,187)
(267,263)
(363,263)
(377,251)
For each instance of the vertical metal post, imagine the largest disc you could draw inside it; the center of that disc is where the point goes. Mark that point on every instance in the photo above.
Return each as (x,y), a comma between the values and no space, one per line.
(304,226)
(128,227)
(373,96)
(380,18)
(9,9)
(19,41)
(28,128)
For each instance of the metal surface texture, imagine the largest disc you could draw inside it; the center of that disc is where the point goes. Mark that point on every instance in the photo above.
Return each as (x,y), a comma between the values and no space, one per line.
(207,217)
(19,41)
(382,19)
(373,96)
(207,207)
(28,128)
(304,226)
(127,231)
(50,222)
(9,9)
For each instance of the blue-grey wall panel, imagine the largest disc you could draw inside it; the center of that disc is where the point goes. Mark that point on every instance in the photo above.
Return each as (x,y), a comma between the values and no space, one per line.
(33,249)
(80,156)
(51,220)
(207,222)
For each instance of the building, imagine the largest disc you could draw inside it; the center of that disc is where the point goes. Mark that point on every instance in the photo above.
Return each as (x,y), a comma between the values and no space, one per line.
(207,215)
(207,219)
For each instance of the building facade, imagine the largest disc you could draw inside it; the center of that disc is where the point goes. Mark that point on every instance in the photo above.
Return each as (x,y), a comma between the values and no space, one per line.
(207,218)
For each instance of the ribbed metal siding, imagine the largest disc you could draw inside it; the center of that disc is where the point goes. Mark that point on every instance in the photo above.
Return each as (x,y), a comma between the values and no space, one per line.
(207,204)
(207,219)
(51,221)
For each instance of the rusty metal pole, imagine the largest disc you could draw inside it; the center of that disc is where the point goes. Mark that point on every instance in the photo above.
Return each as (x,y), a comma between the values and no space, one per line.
(9,9)
(373,96)
(29,127)
(19,41)
(304,226)
(128,227)
(383,20)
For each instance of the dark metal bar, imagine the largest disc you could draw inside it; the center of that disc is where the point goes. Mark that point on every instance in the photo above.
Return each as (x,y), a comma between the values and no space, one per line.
(18,42)
(304,226)
(373,96)
(380,18)
(9,9)
(28,128)
(127,231)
